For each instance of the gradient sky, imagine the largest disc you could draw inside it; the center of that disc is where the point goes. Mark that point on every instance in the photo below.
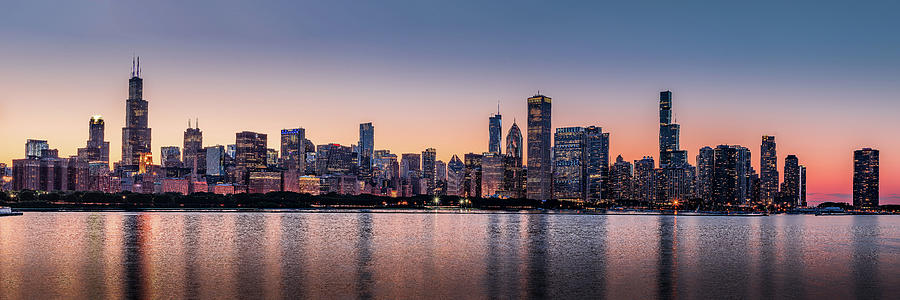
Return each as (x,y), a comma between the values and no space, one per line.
(820,75)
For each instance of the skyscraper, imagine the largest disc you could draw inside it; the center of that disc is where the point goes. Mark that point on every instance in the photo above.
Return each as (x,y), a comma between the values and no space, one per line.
(293,151)
(513,175)
(193,157)
(429,156)
(569,172)
(33,148)
(768,170)
(215,160)
(790,188)
(491,174)
(410,164)
(97,150)
(596,143)
(539,163)
(250,150)
(644,180)
(494,133)
(136,133)
(705,167)
(366,150)
(170,157)
(865,178)
(669,151)
(472,176)
(731,175)
(456,172)
(620,178)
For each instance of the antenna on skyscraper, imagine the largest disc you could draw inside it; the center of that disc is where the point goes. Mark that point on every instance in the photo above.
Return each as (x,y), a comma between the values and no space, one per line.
(139,66)
(132,65)
(197,123)
(498,106)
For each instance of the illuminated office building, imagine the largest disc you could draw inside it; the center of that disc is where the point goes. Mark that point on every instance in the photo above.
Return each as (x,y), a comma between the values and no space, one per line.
(494,133)
(513,174)
(472,175)
(193,156)
(335,159)
(705,168)
(215,160)
(669,131)
(136,133)
(491,174)
(293,151)
(429,156)
(170,157)
(97,150)
(620,178)
(596,164)
(366,151)
(540,172)
(644,180)
(456,173)
(731,175)
(34,148)
(569,174)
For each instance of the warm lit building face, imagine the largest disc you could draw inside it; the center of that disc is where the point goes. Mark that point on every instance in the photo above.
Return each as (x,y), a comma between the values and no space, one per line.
(250,150)
(429,156)
(865,178)
(620,180)
(644,180)
(491,174)
(193,148)
(539,164)
(292,148)
(136,133)
(568,164)
(145,163)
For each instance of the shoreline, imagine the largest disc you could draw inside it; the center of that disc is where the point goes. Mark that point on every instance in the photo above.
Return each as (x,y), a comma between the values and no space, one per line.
(424,210)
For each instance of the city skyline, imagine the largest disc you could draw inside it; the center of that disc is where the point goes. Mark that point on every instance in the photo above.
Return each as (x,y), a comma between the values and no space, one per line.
(733,97)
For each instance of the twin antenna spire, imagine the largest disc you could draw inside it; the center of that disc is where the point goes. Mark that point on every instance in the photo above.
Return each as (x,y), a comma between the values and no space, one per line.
(135,66)
(196,123)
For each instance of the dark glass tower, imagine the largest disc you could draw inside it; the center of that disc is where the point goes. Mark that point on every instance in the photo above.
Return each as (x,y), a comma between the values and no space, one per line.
(569,174)
(790,188)
(429,156)
(768,170)
(494,132)
(596,144)
(539,164)
(669,151)
(865,178)
(366,150)
(136,133)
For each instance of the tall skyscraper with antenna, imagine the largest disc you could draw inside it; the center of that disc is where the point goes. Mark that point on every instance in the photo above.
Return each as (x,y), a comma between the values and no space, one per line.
(194,157)
(495,129)
(136,133)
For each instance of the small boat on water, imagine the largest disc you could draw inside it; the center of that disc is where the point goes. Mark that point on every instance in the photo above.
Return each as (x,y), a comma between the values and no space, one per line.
(6,211)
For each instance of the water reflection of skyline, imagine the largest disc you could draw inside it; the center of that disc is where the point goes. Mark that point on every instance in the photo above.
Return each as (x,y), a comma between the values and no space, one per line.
(371,255)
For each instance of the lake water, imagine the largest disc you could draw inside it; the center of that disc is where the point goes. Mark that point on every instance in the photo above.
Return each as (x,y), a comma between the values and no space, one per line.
(88,255)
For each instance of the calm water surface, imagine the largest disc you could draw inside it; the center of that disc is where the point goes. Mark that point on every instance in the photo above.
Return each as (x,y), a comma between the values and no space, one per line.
(414,255)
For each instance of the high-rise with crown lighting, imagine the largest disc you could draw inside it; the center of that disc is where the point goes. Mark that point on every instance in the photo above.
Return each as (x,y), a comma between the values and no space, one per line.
(136,133)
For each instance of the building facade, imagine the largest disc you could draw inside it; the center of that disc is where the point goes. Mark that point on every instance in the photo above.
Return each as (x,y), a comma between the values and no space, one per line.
(539,181)
(865,178)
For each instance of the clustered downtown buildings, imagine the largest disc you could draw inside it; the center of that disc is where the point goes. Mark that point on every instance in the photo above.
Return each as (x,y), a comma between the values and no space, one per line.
(571,165)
